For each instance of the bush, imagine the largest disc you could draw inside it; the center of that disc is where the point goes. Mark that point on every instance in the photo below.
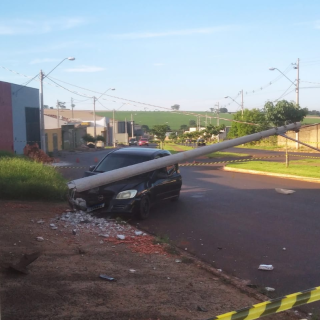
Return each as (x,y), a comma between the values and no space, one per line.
(23,179)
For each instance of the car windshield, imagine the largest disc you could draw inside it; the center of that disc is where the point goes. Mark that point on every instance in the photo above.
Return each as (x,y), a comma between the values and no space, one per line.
(116,161)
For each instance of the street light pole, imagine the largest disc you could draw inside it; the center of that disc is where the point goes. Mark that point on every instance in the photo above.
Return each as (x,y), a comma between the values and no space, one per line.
(42,129)
(114,131)
(94,118)
(241,105)
(131,126)
(42,132)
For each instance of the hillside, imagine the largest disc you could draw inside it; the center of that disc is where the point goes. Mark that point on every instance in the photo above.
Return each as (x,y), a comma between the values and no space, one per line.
(175,120)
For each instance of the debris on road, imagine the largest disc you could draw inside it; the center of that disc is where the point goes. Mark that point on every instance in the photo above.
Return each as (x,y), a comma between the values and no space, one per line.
(284,249)
(40,239)
(138,233)
(105,277)
(267,267)
(26,259)
(284,191)
(178,260)
(74,232)
(269,289)
(132,270)
(40,221)
(121,237)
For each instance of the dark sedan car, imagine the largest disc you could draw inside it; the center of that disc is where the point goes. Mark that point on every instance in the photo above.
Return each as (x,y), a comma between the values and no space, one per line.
(133,142)
(133,195)
(201,142)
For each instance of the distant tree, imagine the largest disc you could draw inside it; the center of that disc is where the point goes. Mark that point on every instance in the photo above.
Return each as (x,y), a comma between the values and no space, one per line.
(284,112)
(51,107)
(211,109)
(145,128)
(184,127)
(211,130)
(160,131)
(255,116)
(223,110)
(45,106)
(88,138)
(175,107)
(100,138)
(192,123)
(173,136)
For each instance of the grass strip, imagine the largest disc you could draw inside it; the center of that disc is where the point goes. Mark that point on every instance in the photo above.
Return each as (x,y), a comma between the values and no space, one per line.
(23,179)
(173,148)
(304,168)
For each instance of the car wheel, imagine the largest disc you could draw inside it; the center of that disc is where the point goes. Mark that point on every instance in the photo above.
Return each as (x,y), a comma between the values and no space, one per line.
(176,198)
(144,209)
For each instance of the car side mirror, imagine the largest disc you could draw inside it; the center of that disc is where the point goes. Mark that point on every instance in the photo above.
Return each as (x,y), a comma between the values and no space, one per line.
(91,168)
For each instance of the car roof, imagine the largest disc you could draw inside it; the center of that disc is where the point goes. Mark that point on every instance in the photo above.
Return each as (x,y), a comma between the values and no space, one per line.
(148,152)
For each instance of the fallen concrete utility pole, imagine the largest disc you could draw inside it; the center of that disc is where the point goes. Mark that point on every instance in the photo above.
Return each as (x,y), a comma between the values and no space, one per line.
(101,179)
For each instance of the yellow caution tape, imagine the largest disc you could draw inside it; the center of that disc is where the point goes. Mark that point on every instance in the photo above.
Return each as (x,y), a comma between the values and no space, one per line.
(272,306)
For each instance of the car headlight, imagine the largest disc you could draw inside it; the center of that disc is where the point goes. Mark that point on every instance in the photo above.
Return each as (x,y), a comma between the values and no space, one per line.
(128,194)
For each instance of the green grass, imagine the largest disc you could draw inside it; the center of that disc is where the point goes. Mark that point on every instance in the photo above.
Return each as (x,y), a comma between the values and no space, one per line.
(23,179)
(311,120)
(175,120)
(275,148)
(304,168)
(174,148)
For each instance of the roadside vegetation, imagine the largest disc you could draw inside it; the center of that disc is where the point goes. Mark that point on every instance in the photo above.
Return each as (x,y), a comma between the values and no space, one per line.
(24,179)
(304,168)
(175,148)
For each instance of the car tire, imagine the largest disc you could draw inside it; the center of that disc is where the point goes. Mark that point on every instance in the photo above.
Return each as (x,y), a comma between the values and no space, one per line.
(144,208)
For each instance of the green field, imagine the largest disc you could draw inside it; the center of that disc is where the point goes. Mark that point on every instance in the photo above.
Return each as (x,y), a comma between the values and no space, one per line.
(175,120)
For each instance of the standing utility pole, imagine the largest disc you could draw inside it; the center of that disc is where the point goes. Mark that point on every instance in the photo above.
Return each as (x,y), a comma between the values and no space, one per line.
(42,132)
(58,115)
(131,126)
(298,81)
(94,117)
(72,106)
(242,102)
(218,111)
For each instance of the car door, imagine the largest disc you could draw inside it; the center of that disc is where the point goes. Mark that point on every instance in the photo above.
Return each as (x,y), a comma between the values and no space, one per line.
(166,183)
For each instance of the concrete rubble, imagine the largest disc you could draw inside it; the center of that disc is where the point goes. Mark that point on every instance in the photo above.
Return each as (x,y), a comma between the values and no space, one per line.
(83,222)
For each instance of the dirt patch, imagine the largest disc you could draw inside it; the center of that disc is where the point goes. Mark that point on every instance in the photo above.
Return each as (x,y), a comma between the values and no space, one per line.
(64,282)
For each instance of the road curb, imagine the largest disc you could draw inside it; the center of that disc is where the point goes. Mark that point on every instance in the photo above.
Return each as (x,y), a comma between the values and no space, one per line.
(288,176)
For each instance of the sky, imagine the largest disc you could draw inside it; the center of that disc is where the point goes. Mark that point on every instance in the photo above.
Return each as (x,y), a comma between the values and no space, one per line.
(161,53)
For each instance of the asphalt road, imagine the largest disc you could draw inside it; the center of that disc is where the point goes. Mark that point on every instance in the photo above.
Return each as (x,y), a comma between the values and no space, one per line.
(237,221)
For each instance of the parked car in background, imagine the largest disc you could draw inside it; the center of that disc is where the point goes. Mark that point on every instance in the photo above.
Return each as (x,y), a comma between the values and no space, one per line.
(133,142)
(134,195)
(143,142)
(201,142)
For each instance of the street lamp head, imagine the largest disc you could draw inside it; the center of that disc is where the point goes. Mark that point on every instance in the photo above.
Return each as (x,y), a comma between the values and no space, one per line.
(272,69)
(112,88)
(226,97)
(71,58)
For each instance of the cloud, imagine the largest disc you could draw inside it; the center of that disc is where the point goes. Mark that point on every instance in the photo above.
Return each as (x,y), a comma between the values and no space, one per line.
(186,32)
(37,61)
(37,26)
(84,68)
